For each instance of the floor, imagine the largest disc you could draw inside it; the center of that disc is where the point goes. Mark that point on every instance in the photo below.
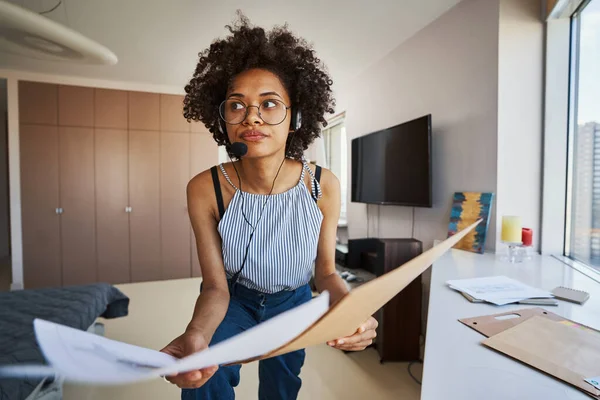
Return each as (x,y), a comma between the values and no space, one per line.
(159,312)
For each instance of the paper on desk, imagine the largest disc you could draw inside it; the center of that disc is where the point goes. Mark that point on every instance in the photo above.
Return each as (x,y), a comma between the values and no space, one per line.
(85,357)
(594,381)
(515,300)
(499,290)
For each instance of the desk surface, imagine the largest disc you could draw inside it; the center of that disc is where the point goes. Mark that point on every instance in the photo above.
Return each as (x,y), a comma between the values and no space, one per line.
(458,366)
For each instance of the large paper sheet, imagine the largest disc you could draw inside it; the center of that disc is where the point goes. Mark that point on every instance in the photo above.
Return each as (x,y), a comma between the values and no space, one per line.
(84,357)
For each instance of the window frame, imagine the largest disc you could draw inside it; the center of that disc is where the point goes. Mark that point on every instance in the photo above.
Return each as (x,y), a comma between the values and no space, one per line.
(339,119)
(560,125)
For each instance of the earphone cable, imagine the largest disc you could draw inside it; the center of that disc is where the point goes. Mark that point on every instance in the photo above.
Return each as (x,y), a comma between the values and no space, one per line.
(237,274)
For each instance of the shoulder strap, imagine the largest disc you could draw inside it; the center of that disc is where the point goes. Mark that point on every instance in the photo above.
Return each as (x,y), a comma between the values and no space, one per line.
(317,184)
(226,175)
(218,193)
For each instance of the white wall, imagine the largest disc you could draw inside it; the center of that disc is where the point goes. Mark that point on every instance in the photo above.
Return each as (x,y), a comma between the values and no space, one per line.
(520,87)
(478,69)
(448,69)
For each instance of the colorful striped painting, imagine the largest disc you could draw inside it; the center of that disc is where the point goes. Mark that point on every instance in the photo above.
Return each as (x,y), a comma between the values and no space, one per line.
(468,207)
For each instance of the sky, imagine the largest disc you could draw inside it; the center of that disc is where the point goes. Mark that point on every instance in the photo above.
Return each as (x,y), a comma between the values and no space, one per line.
(589,64)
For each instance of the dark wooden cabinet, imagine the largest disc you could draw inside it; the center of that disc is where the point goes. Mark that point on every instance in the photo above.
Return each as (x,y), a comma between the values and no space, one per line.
(399,330)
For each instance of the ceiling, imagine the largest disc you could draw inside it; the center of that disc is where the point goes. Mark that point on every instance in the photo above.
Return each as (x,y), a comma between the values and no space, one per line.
(157,41)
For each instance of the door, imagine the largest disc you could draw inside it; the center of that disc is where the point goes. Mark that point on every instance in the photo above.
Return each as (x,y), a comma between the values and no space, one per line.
(40,206)
(77,200)
(175,226)
(144,200)
(203,155)
(112,201)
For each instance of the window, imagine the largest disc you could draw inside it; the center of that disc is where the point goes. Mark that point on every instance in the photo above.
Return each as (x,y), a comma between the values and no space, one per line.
(334,137)
(582,239)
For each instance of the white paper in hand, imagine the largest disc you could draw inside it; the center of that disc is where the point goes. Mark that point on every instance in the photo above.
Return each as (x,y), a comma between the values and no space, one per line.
(84,357)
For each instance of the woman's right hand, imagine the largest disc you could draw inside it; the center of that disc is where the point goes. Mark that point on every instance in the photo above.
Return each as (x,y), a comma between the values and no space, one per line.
(188,343)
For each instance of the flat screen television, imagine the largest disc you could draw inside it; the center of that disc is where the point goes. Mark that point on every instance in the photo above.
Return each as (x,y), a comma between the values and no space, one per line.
(393,166)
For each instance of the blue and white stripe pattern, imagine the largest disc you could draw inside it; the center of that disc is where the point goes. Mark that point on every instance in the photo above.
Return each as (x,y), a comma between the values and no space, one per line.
(284,247)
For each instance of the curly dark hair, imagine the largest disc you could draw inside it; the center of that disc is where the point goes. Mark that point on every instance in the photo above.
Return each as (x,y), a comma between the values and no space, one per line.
(278,51)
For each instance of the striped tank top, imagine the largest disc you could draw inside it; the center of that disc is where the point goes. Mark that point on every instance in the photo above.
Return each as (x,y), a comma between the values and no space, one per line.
(283,249)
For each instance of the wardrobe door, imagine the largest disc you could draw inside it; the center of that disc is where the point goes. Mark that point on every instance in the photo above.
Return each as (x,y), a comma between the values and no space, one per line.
(40,206)
(203,155)
(112,201)
(110,109)
(144,111)
(171,114)
(75,106)
(174,223)
(38,103)
(77,198)
(144,195)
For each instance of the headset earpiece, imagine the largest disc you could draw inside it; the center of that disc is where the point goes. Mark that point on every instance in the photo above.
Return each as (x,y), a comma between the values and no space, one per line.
(222,127)
(296,121)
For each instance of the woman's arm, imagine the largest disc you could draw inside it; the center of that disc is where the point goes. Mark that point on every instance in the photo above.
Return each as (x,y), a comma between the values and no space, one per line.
(212,303)
(326,277)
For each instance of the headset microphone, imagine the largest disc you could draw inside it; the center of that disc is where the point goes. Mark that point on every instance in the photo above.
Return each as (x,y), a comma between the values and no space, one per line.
(239,149)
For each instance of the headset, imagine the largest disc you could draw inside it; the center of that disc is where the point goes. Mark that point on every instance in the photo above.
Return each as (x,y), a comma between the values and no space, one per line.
(296,122)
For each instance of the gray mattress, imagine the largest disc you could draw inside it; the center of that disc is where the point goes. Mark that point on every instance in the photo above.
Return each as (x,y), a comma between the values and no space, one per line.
(74,306)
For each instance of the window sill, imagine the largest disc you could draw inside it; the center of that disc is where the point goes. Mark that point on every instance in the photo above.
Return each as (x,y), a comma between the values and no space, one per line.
(591,272)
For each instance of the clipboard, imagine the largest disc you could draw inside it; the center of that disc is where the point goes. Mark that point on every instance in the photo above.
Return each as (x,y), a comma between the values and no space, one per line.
(490,325)
(546,341)
(565,352)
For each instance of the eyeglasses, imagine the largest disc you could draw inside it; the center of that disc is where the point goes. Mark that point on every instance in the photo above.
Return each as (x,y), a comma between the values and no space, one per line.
(272,112)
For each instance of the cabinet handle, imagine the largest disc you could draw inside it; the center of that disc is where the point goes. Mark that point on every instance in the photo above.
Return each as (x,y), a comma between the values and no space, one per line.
(59,211)
(128,209)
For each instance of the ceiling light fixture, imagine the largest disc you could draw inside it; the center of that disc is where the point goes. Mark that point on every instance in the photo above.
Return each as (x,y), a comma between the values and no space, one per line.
(26,33)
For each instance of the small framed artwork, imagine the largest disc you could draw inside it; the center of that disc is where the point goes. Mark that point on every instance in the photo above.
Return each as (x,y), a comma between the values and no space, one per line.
(467,208)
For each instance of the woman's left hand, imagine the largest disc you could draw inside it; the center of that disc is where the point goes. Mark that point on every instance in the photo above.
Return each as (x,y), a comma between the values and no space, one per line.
(360,340)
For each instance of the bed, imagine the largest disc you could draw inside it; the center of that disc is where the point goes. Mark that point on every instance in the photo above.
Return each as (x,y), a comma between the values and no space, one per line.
(74,306)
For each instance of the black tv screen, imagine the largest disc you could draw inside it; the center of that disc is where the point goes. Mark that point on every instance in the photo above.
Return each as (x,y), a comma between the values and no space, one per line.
(393,166)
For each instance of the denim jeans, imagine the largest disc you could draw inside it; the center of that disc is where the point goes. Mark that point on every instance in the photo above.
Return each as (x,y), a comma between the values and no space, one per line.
(278,376)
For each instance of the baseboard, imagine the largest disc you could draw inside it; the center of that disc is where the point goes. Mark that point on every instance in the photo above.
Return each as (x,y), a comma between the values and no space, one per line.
(16,286)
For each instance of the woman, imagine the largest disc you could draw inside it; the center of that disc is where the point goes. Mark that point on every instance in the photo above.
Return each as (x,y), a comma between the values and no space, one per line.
(261,222)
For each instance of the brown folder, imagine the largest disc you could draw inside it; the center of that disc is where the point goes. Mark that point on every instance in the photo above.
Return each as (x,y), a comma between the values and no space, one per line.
(344,317)
(566,352)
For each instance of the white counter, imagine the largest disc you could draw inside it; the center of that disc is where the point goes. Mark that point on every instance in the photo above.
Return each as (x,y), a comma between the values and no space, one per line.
(458,366)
